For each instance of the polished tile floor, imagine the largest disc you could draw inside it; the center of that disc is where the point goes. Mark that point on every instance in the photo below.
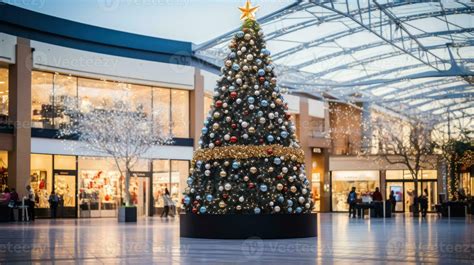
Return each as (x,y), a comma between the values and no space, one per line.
(153,241)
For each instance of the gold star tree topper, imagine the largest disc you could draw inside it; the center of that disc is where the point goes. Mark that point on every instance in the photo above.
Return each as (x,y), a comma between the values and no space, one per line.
(248,11)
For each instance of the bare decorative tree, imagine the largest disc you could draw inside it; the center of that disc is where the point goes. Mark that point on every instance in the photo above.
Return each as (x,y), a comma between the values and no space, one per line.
(405,143)
(116,129)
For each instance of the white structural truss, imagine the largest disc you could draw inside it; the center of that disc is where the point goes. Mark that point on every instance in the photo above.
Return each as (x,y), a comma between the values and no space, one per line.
(413,57)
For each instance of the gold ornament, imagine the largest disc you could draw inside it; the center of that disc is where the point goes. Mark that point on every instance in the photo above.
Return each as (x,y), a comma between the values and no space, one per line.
(223,174)
(253,170)
(222,204)
(248,151)
(248,11)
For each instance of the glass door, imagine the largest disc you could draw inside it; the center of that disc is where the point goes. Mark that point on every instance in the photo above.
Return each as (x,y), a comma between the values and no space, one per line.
(432,190)
(397,188)
(139,192)
(65,188)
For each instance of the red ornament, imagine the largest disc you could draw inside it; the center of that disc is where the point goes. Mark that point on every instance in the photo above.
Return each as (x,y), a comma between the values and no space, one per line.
(217,142)
(234,126)
(285,189)
(246,112)
(233,139)
(261,141)
(288,115)
(225,196)
(195,202)
(233,94)
(269,151)
(218,104)
(261,79)
(195,210)
(279,177)
(251,185)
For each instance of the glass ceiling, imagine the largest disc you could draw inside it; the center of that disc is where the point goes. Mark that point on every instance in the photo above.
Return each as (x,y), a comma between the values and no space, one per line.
(412,57)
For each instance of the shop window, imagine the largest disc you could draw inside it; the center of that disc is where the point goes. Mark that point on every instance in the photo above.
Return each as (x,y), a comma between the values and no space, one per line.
(41,178)
(207,104)
(42,100)
(161,181)
(162,108)
(64,162)
(3,95)
(99,187)
(3,170)
(141,97)
(180,113)
(179,175)
(365,183)
(65,92)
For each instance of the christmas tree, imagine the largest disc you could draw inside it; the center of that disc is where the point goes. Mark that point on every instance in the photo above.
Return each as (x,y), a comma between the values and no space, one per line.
(249,161)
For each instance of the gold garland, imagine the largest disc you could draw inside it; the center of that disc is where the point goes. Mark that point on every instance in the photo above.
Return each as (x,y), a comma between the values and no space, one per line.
(248,151)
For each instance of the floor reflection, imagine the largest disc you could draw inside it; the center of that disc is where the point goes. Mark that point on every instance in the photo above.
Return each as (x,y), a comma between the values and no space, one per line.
(155,240)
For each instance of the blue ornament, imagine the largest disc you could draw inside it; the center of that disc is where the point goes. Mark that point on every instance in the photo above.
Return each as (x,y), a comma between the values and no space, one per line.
(266,52)
(239,34)
(209,197)
(270,138)
(276,89)
(258,61)
(235,165)
(187,200)
(290,203)
(232,55)
(277,161)
(235,67)
(199,163)
(204,130)
(261,72)
(264,103)
(260,113)
(280,199)
(251,100)
(231,88)
(298,210)
(284,134)
(190,181)
(206,122)
(202,209)
(266,84)
(257,210)
(290,210)
(263,188)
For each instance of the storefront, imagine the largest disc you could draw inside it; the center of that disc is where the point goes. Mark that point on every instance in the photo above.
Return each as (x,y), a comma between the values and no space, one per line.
(58,173)
(91,187)
(342,182)
(401,182)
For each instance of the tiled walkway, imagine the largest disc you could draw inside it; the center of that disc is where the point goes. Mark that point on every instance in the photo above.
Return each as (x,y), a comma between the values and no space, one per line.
(341,241)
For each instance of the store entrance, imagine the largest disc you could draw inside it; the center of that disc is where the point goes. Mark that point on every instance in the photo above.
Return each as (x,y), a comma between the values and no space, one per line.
(404,189)
(65,187)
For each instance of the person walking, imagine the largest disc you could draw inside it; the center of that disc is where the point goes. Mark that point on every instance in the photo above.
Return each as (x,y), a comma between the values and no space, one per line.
(30,200)
(167,203)
(393,200)
(53,204)
(351,200)
(424,203)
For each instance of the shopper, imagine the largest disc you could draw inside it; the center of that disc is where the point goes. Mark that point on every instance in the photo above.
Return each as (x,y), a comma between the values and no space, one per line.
(5,197)
(30,201)
(351,200)
(424,203)
(167,203)
(14,196)
(377,195)
(393,200)
(53,204)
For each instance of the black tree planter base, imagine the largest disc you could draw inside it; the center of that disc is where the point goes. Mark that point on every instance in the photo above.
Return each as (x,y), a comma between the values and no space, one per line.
(265,226)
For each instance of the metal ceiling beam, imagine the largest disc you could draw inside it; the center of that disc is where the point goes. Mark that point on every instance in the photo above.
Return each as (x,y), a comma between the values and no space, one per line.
(422,54)
(432,90)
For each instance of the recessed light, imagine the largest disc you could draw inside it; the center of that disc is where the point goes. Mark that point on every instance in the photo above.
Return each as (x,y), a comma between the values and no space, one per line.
(2,82)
